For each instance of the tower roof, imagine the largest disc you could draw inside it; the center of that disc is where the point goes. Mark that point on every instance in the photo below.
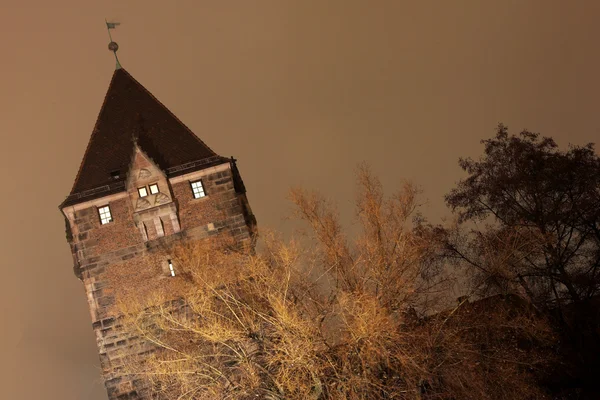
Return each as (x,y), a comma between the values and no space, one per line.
(130,113)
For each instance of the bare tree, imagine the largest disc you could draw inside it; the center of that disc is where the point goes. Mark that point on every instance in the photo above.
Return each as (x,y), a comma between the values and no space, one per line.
(337,319)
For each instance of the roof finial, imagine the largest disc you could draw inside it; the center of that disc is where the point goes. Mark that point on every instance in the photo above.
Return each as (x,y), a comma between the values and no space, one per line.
(113,46)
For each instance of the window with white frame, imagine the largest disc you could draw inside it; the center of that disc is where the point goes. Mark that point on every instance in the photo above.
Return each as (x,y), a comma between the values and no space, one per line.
(104,213)
(143,192)
(198,189)
(153,188)
(171,269)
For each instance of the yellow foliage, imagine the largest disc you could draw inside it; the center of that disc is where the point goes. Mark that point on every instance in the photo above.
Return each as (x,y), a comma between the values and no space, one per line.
(336,320)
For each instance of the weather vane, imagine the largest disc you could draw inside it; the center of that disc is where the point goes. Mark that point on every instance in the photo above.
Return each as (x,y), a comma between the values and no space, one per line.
(113,46)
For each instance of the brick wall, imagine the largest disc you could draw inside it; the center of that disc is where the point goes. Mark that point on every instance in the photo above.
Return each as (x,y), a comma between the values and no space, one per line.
(94,239)
(114,261)
(195,212)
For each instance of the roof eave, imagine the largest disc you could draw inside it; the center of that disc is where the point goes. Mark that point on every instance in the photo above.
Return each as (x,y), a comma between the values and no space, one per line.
(120,186)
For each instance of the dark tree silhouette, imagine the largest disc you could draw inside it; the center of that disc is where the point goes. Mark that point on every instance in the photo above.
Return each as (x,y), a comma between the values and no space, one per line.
(544,204)
(540,209)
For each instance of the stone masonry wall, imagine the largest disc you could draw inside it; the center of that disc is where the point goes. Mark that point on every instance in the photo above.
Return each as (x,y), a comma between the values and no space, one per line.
(93,238)
(225,211)
(100,250)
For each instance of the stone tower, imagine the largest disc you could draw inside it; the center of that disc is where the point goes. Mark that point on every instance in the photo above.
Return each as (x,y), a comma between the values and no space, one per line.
(146,182)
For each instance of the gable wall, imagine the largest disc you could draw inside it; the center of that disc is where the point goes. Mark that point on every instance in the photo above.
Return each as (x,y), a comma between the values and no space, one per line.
(143,173)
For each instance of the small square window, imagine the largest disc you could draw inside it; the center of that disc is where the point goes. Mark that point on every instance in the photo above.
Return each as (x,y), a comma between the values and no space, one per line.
(143,191)
(198,189)
(104,213)
(154,188)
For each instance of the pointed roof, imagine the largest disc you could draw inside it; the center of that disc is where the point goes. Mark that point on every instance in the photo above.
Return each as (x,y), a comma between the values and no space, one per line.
(130,113)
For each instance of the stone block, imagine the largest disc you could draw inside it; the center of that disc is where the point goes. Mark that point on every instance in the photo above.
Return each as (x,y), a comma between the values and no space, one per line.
(85,227)
(106,301)
(87,268)
(90,243)
(86,212)
(128,396)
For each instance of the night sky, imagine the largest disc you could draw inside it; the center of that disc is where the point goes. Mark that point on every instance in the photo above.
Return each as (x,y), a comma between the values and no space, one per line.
(298,91)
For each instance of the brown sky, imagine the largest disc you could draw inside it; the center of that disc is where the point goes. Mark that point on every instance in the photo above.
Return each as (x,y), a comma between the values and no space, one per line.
(298,91)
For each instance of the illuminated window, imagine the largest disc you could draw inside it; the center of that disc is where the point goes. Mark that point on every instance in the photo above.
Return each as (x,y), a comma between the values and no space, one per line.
(105,216)
(153,188)
(171,269)
(198,189)
(143,191)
